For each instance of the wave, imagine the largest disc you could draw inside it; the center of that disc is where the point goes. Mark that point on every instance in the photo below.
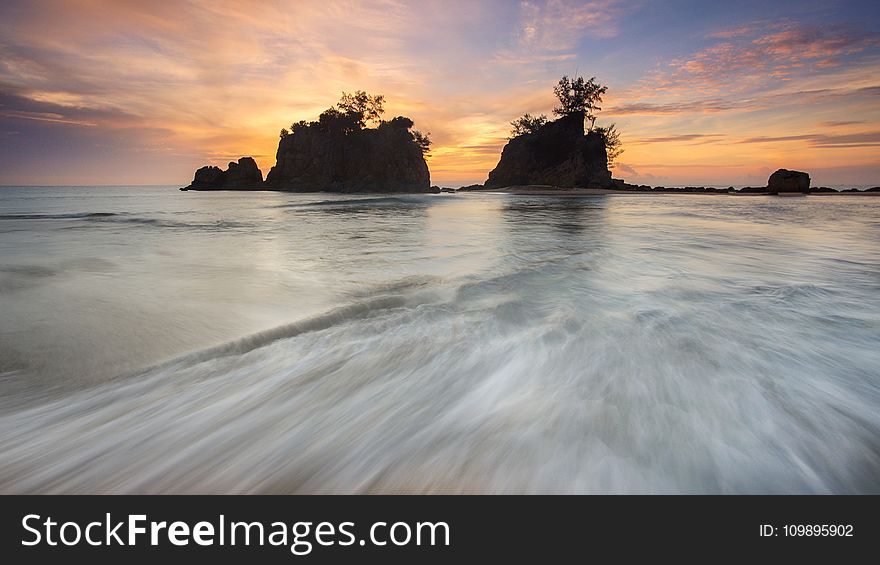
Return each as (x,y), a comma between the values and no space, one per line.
(354,202)
(218,225)
(470,390)
(124,218)
(793,291)
(320,322)
(74,216)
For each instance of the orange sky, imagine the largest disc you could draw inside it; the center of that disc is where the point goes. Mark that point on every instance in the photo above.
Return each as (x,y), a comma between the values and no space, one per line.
(135,92)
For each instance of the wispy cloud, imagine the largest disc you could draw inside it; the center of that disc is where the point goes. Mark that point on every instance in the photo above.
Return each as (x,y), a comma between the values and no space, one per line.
(765,52)
(839,124)
(690,138)
(667,108)
(559,24)
(868,139)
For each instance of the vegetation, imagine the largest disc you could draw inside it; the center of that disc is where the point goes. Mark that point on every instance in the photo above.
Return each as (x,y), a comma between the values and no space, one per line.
(611,137)
(422,140)
(353,113)
(575,95)
(579,95)
(361,106)
(527,124)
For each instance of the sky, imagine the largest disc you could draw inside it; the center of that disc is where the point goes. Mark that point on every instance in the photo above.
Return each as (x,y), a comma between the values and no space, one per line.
(703,93)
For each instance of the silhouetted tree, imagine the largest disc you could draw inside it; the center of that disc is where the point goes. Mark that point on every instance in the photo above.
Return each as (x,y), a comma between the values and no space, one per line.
(527,124)
(362,106)
(351,114)
(401,122)
(611,137)
(297,126)
(422,140)
(332,120)
(578,95)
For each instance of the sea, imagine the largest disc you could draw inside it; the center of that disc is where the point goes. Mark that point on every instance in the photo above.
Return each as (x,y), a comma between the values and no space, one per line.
(157,341)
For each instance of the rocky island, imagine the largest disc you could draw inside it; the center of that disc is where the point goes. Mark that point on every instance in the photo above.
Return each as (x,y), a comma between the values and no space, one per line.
(243,175)
(785,181)
(336,153)
(558,153)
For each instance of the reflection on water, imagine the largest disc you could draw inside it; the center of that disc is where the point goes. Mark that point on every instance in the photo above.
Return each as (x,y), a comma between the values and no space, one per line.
(567,215)
(154,341)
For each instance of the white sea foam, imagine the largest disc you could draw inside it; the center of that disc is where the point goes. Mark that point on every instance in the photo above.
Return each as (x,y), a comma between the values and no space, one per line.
(450,344)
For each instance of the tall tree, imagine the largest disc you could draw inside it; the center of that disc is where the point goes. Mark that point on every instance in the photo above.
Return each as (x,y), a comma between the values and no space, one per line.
(579,95)
(362,106)
(527,124)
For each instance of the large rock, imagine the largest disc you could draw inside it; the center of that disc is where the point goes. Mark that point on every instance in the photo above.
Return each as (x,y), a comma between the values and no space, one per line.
(558,154)
(243,175)
(784,180)
(383,159)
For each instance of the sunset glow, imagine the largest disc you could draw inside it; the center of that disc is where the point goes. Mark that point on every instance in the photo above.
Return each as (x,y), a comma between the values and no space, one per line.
(131,92)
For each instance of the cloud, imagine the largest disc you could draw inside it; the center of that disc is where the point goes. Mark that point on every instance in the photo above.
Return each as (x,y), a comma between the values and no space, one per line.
(558,25)
(776,52)
(550,31)
(690,138)
(758,101)
(626,169)
(837,124)
(651,108)
(866,139)
(732,32)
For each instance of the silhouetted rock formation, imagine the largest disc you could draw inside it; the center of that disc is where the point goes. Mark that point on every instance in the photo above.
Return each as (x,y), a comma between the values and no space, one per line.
(784,180)
(244,175)
(557,154)
(336,153)
(323,157)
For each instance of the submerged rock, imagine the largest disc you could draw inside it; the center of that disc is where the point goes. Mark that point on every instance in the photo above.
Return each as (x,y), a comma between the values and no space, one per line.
(243,175)
(784,180)
(557,154)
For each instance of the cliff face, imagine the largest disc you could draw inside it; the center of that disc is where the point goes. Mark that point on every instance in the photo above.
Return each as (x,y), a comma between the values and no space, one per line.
(558,154)
(244,175)
(317,158)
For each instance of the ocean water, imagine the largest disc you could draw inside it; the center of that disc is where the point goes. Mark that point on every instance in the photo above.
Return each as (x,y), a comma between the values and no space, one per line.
(153,341)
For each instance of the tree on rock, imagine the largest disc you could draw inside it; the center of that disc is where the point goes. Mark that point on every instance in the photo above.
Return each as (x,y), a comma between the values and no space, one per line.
(422,140)
(611,137)
(527,124)
(363,107)
(579,95)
